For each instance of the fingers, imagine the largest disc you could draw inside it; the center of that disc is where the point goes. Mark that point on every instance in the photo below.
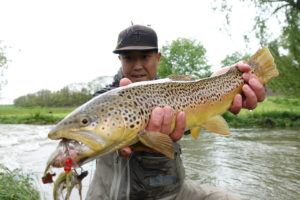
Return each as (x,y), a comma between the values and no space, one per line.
(221,71)
(236,104)
(243,67)
(258,89)
(124,82)
(125,151)
(179,128)
(161,120)
(253,90)
(156,119)
(167,120)
(250,101)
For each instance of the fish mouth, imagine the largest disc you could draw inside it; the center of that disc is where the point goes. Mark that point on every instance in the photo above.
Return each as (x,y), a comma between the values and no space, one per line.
(69,148)
(86,138)
(79,145)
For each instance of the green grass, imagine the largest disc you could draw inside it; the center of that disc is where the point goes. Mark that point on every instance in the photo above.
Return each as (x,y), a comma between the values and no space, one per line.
(14,185)
(273,112)
(10,114)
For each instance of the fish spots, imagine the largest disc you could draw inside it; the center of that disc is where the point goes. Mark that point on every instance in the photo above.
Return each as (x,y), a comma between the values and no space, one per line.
(133,105)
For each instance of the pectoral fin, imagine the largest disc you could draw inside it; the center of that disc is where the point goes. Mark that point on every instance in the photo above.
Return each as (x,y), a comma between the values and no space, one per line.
(158,141)
(195,132)
(216,124)
(141,147)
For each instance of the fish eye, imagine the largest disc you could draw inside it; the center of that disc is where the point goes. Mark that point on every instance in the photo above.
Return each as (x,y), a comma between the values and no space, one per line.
(84,121)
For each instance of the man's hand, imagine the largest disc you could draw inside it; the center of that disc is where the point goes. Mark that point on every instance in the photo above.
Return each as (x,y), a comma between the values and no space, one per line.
(160,120)
(253,90)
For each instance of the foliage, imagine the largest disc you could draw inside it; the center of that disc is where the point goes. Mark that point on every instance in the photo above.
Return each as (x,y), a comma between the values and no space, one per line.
(287,83)
(3,65)
(234,58)
(16,185)
(183,57)
(61,98)
(286,48)
(286,12)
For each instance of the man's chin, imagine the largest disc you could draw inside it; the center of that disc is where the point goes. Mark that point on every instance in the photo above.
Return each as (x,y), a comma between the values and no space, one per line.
(138,79)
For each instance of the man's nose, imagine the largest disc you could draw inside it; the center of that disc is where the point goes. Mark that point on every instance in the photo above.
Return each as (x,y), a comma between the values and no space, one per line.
(138,64)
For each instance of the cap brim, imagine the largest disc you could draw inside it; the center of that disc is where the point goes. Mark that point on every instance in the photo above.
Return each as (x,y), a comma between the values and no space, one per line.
(134,48)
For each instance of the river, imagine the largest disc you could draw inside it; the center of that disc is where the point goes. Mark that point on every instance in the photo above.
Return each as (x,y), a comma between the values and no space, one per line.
(258,163)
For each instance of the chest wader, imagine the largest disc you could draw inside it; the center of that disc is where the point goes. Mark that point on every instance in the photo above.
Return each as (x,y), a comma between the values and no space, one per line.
(154,176)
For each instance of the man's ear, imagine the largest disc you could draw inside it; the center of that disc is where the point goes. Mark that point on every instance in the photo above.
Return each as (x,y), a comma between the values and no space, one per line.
(158,56)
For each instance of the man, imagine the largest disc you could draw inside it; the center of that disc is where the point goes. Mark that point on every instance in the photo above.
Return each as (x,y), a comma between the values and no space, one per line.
(131,174)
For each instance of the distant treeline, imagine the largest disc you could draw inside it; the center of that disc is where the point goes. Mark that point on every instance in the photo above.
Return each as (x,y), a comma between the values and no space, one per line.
(61,98)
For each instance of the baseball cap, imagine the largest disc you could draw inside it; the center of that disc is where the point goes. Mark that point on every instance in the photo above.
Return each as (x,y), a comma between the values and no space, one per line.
(136,37)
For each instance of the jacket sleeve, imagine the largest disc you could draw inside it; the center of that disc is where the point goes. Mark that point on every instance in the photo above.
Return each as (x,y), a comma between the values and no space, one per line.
(113,85)
(103,90)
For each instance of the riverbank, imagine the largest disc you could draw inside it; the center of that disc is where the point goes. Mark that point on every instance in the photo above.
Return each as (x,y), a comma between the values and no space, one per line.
(17,185)
(273,112)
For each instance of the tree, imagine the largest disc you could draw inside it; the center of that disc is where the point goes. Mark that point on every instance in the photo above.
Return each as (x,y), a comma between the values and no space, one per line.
(234,58)
(288,65)
(285,11)
(285,48)
(3,65)
(183,57)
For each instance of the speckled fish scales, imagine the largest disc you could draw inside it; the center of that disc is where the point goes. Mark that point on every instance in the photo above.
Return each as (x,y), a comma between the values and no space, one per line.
(118,118)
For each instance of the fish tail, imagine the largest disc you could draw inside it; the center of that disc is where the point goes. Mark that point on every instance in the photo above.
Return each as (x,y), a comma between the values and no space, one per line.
(263,65)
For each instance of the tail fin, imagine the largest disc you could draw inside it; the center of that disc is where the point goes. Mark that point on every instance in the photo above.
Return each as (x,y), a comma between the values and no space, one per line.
(263,65)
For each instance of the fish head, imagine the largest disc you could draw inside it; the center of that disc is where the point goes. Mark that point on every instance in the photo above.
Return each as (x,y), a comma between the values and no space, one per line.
(86,133)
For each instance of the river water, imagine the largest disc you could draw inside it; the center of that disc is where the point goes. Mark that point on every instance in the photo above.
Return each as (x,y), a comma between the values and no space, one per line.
(258,163)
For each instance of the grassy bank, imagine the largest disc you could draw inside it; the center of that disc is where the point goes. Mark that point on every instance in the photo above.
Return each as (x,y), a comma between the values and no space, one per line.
(16,185)
(10,114)
(273,112)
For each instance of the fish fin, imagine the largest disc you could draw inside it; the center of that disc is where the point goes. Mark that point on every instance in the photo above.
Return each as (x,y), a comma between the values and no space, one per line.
(216,124)
(175,77)
(158,141)
(263,65)
(195,132)
(141,147)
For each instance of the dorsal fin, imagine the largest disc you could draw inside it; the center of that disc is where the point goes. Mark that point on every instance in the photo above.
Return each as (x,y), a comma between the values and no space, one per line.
(175,77)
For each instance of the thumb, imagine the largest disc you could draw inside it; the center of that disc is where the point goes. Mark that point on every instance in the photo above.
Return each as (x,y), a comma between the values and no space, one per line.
(124,82)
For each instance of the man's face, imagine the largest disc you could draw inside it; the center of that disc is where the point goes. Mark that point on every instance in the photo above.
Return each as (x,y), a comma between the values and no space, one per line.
(140,65)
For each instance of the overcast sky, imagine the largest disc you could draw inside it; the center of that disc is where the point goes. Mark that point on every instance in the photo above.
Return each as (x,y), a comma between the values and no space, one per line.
(57,42)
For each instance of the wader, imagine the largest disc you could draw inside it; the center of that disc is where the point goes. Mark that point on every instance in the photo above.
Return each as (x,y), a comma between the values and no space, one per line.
(148,176)
(143,175)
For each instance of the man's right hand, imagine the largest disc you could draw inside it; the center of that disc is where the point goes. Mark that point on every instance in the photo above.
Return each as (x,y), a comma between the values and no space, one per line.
(160,120)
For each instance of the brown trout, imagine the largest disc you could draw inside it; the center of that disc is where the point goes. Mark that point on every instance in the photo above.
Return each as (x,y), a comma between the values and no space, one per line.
(118,118)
